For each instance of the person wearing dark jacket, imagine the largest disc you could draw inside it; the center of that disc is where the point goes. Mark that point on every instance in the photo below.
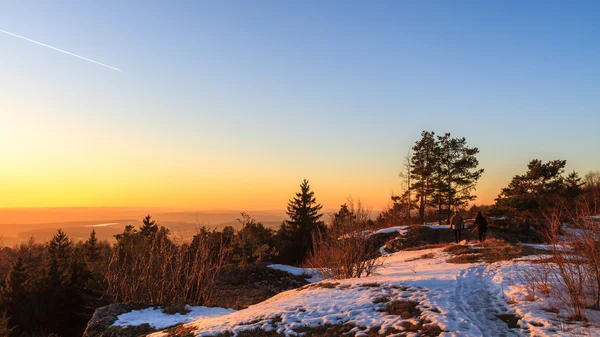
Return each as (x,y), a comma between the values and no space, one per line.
(482,226)
(457,224)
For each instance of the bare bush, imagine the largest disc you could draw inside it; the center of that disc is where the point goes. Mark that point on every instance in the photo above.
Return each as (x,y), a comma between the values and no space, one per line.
(572,274)
(160,272)
(345,250)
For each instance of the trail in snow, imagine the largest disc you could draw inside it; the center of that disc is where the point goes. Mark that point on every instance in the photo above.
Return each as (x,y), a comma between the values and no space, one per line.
(477,301)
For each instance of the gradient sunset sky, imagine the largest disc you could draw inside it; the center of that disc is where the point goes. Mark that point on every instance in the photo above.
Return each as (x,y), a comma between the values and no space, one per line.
(230,104)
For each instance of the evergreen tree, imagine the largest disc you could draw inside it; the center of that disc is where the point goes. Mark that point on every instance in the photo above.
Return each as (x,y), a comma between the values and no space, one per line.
(149,227)
(456,174)
(92,251)
(541,189)
(304,222)
(60,248)
(341,217)
(15,297)
(16,280)
(423,165)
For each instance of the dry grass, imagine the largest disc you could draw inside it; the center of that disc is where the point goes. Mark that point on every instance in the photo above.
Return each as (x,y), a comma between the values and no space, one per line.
(404,309)
(492,250)
(345,251)
(423,329)
(422,257)
(156,271)
(242,286)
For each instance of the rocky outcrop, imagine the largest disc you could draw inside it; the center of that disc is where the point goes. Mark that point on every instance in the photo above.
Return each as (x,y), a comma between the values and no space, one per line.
(101,323)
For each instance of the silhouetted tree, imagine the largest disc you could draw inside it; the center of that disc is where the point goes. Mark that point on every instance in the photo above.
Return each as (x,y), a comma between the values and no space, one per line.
(304,222)
(149,227)
(92,251)
(456,174)
(60,248)
(15,297)
(423,166)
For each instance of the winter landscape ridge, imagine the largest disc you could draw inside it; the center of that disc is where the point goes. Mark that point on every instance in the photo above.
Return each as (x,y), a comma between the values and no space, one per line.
(420,292)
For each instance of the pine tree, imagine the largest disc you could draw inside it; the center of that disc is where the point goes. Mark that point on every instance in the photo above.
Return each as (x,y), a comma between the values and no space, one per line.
(15,297)
(341,218)
(456,174)
(423,164)
(60,248)
(304,221)
(16,280)
(91,248)
(404,201)
(541,189)
(149,227)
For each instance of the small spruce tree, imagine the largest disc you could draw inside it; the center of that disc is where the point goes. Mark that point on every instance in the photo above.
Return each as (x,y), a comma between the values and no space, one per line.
(304,222)
(149,227)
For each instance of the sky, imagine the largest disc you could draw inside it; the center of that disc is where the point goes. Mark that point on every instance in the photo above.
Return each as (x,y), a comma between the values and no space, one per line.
(231,104)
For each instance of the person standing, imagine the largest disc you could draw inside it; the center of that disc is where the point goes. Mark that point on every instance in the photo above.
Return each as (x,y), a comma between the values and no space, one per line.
(457,224)
(482,226)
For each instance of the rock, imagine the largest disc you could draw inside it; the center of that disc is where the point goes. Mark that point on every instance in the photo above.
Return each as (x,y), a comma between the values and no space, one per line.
(101,323)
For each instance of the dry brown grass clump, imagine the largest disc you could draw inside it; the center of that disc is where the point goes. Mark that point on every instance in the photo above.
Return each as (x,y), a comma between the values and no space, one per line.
(404,309)
(346,250)
(493,250)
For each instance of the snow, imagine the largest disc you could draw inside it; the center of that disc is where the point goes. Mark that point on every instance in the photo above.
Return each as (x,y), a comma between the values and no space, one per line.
(434,225)
(312,275)
(400,229)
(159,320)
(542,246)
(462,299)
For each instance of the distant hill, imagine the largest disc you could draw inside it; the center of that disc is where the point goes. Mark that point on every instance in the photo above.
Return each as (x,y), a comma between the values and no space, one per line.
(18,225)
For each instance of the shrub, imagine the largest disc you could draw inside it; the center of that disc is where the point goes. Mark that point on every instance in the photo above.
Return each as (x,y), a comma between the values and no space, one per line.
(345,251)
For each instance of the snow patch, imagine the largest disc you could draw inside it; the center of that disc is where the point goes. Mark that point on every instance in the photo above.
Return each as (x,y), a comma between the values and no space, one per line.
(159,320)
(311,275)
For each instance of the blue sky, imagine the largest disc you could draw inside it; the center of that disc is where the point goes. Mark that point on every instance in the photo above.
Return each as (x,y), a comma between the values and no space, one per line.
(259,95)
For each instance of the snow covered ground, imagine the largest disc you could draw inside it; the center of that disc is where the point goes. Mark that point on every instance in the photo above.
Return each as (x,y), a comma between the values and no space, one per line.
(312,275)
(159,320)
(462,299)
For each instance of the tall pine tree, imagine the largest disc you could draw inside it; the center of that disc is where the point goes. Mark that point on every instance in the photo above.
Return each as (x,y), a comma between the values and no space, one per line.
(304,222)
(456,174)
(423,165)
(60,248)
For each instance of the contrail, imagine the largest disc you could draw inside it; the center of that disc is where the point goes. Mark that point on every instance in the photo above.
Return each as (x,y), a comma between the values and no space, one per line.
(60,50)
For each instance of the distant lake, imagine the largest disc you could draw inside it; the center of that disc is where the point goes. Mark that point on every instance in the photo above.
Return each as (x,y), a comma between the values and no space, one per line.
(103,224)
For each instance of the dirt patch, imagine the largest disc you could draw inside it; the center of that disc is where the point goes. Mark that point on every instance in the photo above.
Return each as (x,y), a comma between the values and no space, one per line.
(493,250)
(371,285)
(418,237)
(382,299)
(404,309)
(422,257)
(324,285)
(511,320)
(423,329)
(241,287)
(176,309)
